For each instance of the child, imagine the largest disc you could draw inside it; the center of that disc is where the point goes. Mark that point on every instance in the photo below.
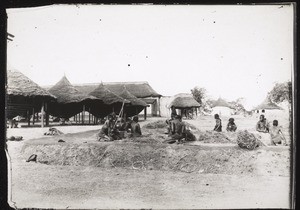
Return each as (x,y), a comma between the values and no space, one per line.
(135,127)
(218,126)
(276,134)
(231,126)
(262,125)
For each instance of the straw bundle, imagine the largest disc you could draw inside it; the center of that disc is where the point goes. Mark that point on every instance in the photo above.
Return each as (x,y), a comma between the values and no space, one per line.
(247,140)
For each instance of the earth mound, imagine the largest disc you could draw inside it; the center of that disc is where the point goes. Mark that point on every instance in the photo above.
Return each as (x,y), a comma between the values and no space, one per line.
(136,156)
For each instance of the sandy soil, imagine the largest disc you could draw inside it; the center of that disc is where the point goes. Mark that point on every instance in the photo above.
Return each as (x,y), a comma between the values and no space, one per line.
(78,186)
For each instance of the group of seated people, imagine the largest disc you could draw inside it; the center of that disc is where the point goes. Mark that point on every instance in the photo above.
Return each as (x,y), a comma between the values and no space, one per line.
(231,126)
(275,131)
(116,128)
(262,125)
(178,131)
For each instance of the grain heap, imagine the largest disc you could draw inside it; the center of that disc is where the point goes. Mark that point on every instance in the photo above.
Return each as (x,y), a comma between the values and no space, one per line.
(247,140)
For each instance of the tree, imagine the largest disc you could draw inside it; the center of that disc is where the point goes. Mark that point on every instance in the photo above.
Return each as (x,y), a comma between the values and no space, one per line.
(199,95)
(281,92)
(237,105)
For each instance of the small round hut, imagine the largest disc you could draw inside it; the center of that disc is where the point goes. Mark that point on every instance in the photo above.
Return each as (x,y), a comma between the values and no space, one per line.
(70,101)
(270,110)
(24,97)
(185,103)
(222,108)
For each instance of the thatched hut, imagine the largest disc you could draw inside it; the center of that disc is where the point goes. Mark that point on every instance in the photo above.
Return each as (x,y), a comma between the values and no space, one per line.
(135,106)
(270,110)
(112,101)
(24,97)
(141,90)
(222,107)
(267,104)
(185,103)
(70,101)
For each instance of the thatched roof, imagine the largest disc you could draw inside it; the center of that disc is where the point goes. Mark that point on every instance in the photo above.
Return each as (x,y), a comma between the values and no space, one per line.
(106,95)
(133,100)
(221,102)
(267,104)
(138,89)
(20,85)
(184,101)
(67,93)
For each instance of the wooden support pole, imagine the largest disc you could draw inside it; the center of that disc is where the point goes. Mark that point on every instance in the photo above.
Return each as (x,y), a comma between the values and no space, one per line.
(83,113)
(33,117)
(79,117)
(42,119)
(89,115)
(145,113)
(158,106)
(28,117)
(47,114)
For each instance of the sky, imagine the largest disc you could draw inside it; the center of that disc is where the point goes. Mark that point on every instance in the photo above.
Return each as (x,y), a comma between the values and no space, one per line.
(231,51)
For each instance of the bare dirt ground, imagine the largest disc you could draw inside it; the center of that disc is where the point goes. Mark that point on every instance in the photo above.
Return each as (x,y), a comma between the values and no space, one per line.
(154,175)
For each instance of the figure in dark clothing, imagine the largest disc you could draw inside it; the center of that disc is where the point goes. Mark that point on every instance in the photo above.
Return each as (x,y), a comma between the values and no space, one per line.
(231,126)
(121,125)
(218,126)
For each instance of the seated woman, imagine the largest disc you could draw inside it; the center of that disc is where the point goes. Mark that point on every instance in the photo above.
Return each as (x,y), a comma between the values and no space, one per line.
(218,126)
(231,126)
(276,134)
(135,127)
(262,125)
(106,130)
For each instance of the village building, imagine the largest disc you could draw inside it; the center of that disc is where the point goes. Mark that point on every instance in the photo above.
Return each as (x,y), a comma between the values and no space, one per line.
(25,98)
(270,110)
(135,106)
(183,103)
(113,102)
(141,90)
(71,101)
(221,107)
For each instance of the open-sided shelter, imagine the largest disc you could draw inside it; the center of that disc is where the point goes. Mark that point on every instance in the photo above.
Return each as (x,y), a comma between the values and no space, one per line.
(71,101)
(24,97)
(113,102)
(135,106)
(141,90)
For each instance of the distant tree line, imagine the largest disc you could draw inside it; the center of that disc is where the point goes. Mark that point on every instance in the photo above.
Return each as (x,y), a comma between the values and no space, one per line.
(281,92)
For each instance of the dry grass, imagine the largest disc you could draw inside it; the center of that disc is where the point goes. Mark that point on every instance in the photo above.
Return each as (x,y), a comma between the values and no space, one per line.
(133,100)
(184,102)
(106,95)
(66,93)
(20,85)
(219,160)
